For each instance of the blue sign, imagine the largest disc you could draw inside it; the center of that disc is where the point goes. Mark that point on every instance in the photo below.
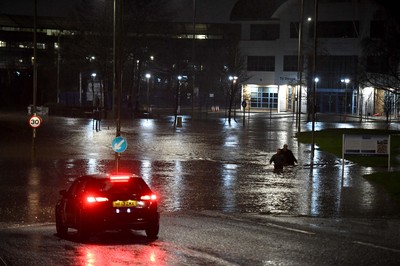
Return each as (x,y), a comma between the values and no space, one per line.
(119,144)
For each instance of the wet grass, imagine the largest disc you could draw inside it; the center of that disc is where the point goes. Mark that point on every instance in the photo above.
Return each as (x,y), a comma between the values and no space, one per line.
(330,140)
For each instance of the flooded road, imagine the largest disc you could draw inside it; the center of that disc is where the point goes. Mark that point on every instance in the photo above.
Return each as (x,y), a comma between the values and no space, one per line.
(205,164)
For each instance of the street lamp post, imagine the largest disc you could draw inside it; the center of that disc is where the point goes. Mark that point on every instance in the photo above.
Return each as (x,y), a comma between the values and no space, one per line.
(117,88)
(58,67)
(148,75)
(178,100)
(300,65)
(345,81)
(233,80)
(193,55)
(316,80)
(93,75)
(314,70)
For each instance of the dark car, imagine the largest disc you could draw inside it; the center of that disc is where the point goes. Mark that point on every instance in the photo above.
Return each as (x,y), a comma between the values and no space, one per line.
(100,202)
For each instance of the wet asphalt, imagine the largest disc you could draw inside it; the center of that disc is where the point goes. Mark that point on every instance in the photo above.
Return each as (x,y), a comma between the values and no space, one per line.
(204,163)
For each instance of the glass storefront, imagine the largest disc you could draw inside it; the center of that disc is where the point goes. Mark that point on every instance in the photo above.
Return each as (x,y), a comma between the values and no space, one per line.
(264,97)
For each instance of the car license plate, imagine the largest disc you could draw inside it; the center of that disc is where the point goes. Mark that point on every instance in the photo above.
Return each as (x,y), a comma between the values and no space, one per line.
(124,203)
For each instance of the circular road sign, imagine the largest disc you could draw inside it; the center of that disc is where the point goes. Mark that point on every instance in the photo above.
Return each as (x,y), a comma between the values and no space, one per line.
(35,121)
(119,144)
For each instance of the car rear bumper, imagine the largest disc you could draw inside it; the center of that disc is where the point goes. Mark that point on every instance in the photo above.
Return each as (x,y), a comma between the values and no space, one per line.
(124,220)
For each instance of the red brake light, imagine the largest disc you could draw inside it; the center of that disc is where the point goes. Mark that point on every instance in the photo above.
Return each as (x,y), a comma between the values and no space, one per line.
(149,197)
(91,199)
(119,178)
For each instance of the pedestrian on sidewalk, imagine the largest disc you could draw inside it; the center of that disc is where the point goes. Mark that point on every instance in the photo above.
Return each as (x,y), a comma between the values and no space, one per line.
(278,159)
(288,156)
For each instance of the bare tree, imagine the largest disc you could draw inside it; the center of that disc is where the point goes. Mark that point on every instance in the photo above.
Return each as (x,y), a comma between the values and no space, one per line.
(380,61)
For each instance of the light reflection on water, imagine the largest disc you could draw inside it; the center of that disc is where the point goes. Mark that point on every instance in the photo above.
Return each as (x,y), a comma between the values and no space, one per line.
(203,165)
(33,197)
(94,254)
(229,177)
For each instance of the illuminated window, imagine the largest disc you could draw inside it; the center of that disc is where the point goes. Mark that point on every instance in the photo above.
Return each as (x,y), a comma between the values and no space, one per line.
(264,97)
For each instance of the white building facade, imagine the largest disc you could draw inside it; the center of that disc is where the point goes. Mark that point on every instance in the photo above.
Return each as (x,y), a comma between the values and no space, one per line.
(272,43)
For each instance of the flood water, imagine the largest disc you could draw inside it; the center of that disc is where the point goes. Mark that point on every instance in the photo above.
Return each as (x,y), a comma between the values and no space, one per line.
(204,164)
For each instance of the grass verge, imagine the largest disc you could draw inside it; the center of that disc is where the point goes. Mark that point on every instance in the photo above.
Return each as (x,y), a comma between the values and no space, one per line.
(330,140)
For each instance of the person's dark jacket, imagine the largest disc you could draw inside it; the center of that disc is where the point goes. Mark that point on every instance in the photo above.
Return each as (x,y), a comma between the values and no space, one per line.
(289,157)
(278,160)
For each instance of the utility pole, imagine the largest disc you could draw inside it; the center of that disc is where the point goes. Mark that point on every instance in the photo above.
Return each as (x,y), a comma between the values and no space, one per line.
(193,54)
(313,102)
(34,72)
(300,65)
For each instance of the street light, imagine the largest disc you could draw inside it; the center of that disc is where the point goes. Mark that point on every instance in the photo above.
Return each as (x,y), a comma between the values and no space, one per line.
(345,81)
(93,75)
(178,100)
(233,80)
(148,75)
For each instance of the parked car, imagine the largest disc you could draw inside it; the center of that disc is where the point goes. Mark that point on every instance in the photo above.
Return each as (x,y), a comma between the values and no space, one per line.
(100,202)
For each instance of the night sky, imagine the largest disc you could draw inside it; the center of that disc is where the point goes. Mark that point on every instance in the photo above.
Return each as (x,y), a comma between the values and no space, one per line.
(213,11)
(26,7)
(207,10)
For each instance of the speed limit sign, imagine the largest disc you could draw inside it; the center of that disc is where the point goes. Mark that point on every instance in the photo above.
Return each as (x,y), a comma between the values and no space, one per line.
(35,121)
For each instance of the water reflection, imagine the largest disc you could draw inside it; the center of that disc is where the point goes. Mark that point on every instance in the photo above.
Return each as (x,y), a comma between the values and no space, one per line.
(147,123)
(34,195)
(229,178)
(92,166)
(225,168)
(205,164)
(146,170)
(93,255)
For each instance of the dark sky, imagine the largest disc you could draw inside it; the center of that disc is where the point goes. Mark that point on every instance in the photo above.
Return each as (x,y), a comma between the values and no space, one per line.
(214,11)
(207,10)
(26,7)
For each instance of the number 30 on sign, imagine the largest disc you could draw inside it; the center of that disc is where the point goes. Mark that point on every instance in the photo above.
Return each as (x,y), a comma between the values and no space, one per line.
(35,121)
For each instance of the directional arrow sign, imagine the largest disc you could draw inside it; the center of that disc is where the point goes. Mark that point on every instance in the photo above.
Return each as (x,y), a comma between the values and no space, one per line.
(119,144)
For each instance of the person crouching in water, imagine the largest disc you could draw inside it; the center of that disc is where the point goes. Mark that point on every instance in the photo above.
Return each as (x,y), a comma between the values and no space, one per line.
(278,159)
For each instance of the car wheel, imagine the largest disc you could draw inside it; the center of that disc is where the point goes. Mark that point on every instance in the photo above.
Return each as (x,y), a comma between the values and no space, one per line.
(61,228)
(152,229)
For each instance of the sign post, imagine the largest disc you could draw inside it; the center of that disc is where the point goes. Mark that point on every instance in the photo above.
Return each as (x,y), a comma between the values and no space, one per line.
(365,145)
(244,105)
(119,144)
(35,121)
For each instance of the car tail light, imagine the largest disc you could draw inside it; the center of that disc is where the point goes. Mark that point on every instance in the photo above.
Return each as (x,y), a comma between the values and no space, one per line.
(151,197)
(92,199)
(119,178)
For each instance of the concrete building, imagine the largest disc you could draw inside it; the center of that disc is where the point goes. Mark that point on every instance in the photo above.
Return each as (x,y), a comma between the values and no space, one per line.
(272,43)
(276,40)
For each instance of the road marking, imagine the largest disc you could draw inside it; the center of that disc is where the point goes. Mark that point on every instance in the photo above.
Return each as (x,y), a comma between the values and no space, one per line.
(3,262)
(291,229)
(375,246)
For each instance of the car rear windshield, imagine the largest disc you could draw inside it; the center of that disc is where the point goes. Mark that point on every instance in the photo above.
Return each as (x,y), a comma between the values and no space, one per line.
(134,185)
